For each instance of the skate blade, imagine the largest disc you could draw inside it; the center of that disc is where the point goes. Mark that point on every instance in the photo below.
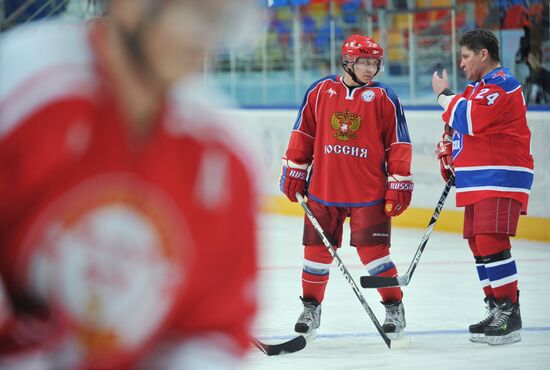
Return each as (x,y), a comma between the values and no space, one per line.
(478,338)
(503,339)
(401,343)
(396,335)
(309,336)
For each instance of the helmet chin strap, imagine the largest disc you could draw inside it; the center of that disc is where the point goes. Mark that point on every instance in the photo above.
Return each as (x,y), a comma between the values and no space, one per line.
(352,74)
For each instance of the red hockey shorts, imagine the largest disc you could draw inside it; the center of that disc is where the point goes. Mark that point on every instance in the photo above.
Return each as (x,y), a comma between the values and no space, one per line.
(491,216)
(369,225)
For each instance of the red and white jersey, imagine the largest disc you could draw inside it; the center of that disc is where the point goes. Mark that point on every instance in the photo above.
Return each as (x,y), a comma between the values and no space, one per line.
(491,140)
(144,247)
(354,137)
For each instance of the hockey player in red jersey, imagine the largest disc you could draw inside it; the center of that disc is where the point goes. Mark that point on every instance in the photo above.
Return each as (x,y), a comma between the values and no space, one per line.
(352,137)
(491,159)
(127,216)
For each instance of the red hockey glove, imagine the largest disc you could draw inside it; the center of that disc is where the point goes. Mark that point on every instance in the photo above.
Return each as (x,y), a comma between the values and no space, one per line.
(398,194)
(444,153)
(293,179)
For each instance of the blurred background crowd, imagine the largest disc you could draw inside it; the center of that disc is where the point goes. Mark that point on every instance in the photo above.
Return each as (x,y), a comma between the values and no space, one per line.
(300,42)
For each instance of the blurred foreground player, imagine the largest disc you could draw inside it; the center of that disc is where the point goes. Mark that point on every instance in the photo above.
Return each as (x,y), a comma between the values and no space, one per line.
(491,158)
(127,217)
(352,135)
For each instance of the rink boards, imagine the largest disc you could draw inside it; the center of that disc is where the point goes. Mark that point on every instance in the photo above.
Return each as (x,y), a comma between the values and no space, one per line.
(266,132)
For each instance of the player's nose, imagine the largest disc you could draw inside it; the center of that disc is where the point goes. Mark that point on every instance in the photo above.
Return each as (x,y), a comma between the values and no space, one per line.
(371,69)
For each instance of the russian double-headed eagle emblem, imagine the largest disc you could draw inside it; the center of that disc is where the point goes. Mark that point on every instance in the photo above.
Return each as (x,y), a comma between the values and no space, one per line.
(345,124)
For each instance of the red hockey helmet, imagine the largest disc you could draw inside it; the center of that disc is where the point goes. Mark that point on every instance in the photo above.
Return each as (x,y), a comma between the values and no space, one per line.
(359,46)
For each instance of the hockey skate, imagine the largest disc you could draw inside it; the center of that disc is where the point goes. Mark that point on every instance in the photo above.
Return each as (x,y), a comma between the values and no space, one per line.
(477,331)
(310,319)
(395,320)
(505,327)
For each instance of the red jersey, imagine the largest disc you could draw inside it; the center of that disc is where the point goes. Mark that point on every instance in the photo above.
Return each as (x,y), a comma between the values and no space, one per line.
(354,137)
(491,140)
(140,245)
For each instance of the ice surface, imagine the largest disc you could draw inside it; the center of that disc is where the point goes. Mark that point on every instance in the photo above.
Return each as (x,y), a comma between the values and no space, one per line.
(442,299)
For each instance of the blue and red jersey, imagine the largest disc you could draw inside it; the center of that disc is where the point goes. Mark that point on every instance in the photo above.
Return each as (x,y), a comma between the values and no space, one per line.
(491,140)
(354,137)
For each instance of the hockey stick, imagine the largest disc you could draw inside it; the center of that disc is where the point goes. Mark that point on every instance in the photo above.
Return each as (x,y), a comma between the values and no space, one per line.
(294,345)
(344,270)
(403,280)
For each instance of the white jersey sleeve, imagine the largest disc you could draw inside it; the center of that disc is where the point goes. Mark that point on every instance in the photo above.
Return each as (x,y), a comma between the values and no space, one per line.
(41,62)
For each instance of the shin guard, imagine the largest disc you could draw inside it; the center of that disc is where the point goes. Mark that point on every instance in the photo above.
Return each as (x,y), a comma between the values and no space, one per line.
(499,265)
(315,272)
(480,268)
(376,258)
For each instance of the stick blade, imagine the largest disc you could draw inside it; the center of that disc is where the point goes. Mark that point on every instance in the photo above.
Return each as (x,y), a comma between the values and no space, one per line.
(294,345)
(379,282)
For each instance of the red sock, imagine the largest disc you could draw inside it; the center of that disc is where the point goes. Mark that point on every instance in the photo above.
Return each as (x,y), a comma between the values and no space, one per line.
(499,264)
(315,272)
(480,268)
(376,259)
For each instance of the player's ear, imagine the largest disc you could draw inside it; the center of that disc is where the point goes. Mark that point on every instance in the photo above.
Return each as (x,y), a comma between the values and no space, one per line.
(484,55)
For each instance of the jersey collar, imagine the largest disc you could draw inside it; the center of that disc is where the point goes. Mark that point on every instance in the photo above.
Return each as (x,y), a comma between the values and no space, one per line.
(350,90)
(499,70)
